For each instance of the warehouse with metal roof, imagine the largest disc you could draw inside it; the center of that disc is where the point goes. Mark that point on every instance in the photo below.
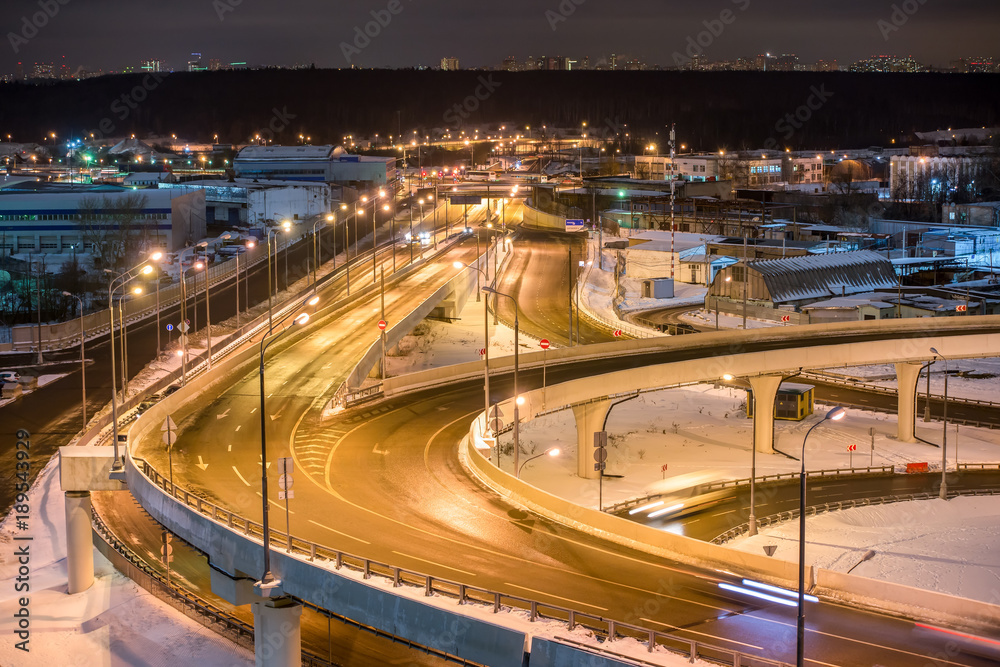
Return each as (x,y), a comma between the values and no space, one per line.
(797,281)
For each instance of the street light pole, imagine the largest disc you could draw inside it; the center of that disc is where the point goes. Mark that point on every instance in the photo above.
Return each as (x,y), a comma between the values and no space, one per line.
(83,362)
(486,346)
(517,416)
(551,451)
(833,415)
(944,432)
(267,581)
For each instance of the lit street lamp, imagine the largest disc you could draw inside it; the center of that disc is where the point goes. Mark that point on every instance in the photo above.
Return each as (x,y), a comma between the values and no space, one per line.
(116,467)
(833,415)
(268,583)
(551,451)
(517,397)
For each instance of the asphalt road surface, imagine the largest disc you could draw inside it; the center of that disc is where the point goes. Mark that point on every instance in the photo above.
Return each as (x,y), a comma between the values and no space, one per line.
(384,482)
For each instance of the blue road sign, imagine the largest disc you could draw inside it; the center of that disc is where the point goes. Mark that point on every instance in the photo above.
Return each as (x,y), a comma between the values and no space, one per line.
(575,226)
(170,327)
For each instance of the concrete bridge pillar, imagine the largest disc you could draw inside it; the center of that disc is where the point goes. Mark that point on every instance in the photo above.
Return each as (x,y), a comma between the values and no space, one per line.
(765,389)
(79,542)
(81,471)
(277,636)
(907,375)
(589,420)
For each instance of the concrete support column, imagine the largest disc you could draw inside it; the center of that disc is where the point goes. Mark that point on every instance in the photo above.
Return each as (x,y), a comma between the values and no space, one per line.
(906,381)
(277,636)
(765,389)
(79,542)
(589,420)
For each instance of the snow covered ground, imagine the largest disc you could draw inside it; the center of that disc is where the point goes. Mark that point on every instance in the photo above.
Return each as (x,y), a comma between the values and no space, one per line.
(113,624)
(983,385)
(949,547)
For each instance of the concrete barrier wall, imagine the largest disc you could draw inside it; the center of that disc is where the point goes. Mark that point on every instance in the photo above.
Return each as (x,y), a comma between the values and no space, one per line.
(539,220)
(549,653)
(907,601)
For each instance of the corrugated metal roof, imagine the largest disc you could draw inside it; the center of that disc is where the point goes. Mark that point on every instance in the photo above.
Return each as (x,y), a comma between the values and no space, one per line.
(286,153)
(824,276)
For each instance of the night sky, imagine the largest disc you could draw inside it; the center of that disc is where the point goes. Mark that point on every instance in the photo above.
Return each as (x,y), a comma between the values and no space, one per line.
(113,34)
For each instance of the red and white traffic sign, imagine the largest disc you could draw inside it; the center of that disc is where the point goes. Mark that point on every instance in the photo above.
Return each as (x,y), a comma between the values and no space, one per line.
(618,333)
(382,324)
(544,344)
(961,309)
(852,448)
(786,318)
(482,351)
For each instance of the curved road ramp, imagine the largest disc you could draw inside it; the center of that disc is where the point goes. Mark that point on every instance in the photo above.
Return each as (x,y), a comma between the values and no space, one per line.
(338,581)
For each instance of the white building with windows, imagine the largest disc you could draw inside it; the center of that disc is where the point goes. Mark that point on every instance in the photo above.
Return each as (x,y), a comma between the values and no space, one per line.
(47,219)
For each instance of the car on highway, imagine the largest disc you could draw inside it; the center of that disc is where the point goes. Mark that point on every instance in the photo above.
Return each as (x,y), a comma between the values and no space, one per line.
(9,376)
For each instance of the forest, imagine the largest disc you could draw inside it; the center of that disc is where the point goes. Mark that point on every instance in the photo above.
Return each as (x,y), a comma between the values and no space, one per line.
(712,110)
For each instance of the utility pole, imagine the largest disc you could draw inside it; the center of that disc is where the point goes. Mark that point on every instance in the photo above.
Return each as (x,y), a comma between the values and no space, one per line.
(569,293)
(673,183)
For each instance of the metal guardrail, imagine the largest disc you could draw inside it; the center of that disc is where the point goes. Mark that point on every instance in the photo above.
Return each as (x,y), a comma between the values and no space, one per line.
(625,327)
(979,466)
(607,629)
(857,384)
(815,510)
(732,483)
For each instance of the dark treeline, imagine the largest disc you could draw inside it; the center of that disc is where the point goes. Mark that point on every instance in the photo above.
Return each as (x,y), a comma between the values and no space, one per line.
(712,110)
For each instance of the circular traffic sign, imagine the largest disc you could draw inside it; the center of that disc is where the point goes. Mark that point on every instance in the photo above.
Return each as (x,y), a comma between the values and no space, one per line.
(544,344)
(170,327)
(382,325)
(285,482)
(187,322)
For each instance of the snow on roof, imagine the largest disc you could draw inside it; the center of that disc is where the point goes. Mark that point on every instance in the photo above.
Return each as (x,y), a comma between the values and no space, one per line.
(657,241)
(854,301)
(130,146)
(823,276)
(286,153)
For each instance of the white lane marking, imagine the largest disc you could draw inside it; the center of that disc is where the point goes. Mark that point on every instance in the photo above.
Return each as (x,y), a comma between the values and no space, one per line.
(430,562)
(861,641)
(253,411)
(239,427)
(240,476)
(230,448)
(333,530)
(376,450)
(703,634)
(558,597)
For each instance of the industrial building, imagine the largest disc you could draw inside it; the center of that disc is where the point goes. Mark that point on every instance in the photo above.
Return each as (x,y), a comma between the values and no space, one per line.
(249,203)
(798,281)
(321,164)
(46,218)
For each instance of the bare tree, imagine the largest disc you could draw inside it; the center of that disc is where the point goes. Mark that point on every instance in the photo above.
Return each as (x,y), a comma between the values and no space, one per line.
(735,168)
(115,229)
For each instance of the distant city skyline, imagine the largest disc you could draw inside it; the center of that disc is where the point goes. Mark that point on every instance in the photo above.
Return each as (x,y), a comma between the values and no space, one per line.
(111,35)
